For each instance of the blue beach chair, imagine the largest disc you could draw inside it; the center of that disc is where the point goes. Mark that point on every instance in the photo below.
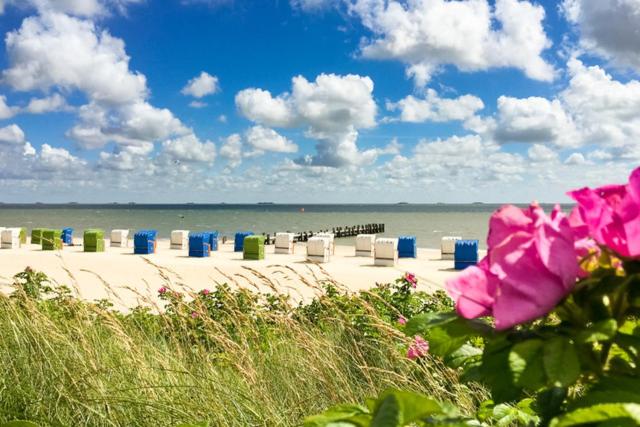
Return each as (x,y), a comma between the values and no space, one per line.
(213,240)
(199,246)
(466,254)
(238,244)
(144,242)
(407,247)
(67,236)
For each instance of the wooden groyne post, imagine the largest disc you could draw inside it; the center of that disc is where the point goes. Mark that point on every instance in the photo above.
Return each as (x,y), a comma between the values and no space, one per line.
(339,232)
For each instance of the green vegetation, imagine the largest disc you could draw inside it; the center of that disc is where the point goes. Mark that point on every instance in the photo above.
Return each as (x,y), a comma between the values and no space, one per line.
(220,357)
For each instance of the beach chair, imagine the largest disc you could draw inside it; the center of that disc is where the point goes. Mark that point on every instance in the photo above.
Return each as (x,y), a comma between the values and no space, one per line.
(93,240)
(284,243)
(67,236)
(144,242)
(466,254)
(120,238)
(407,247)
(253,247)
(331,237)
(213,240)
(238,242)
(386,251)
(36,236)
(448,247)
(10,238)
(365,244)
(179,239)
(51,240)
(318,249)
(199,245)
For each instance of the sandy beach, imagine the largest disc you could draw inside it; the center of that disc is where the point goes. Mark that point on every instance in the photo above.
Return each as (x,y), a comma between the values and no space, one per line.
(129,280)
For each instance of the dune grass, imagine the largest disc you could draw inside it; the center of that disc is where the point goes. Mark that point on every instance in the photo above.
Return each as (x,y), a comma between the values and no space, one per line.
(228,358)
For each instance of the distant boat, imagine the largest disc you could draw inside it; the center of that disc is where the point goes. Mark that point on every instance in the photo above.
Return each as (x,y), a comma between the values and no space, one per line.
(73,203)
(477,203)
(266,203)
(402,203)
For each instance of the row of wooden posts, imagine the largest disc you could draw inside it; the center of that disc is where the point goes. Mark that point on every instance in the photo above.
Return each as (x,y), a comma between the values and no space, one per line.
(338,232)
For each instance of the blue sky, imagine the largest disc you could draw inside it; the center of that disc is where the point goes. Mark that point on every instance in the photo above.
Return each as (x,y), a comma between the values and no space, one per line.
(316,100)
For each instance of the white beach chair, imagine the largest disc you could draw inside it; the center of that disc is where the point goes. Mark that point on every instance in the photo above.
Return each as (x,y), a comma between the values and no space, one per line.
(448,247)
(120,238)
(331,238)
(365,244)
(10,238)
(386,251)
(284,243)
(179,239)
(318,249)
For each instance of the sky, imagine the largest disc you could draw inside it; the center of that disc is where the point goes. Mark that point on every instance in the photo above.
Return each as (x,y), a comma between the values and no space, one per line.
(316,101)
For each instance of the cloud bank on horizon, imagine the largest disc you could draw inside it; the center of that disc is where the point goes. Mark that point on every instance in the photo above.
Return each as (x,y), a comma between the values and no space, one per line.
(325,100)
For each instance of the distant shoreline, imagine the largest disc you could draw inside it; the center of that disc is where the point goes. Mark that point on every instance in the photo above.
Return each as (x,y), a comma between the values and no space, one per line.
(190,205)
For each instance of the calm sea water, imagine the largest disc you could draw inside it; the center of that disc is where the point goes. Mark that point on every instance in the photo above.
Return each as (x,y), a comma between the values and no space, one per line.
(427,222)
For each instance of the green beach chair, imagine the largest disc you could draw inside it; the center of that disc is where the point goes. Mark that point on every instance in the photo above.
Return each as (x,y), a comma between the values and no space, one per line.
(253,247)
(51,240)
(36,236)
(93,240)
(23,236)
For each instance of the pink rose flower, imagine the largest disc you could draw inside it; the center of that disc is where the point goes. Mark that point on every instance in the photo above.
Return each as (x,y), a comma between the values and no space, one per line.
(402,320)
(587,249)
(162,290)
(531,264)
(611,214)
(411,278)
(419,348)
(205,292)
(194,314)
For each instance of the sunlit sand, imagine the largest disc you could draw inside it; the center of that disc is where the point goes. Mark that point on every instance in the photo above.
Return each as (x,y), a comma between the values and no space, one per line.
(128,280)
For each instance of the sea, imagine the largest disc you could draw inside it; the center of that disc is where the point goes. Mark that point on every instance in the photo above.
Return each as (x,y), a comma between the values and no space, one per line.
(428,222)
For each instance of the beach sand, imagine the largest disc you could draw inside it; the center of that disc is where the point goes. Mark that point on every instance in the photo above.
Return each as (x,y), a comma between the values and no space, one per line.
(129,280)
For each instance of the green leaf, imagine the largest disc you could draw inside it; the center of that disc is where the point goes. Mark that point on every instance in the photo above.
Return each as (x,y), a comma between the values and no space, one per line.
(611,390)
(629,343)
(19,423)
(561,362)
(446,332)
(465,354)
(604,330)
(388,413)
(598,413)
(549,402)
(495,372)
(340,415)
(525,362)
(398,408)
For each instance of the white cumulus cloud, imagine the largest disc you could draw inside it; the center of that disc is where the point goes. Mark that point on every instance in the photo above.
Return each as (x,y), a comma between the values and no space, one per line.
(433,108)
(202,85)
(189,148)
(332,109)
(472,35)
(12,134)
(608,28)
(263,139)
